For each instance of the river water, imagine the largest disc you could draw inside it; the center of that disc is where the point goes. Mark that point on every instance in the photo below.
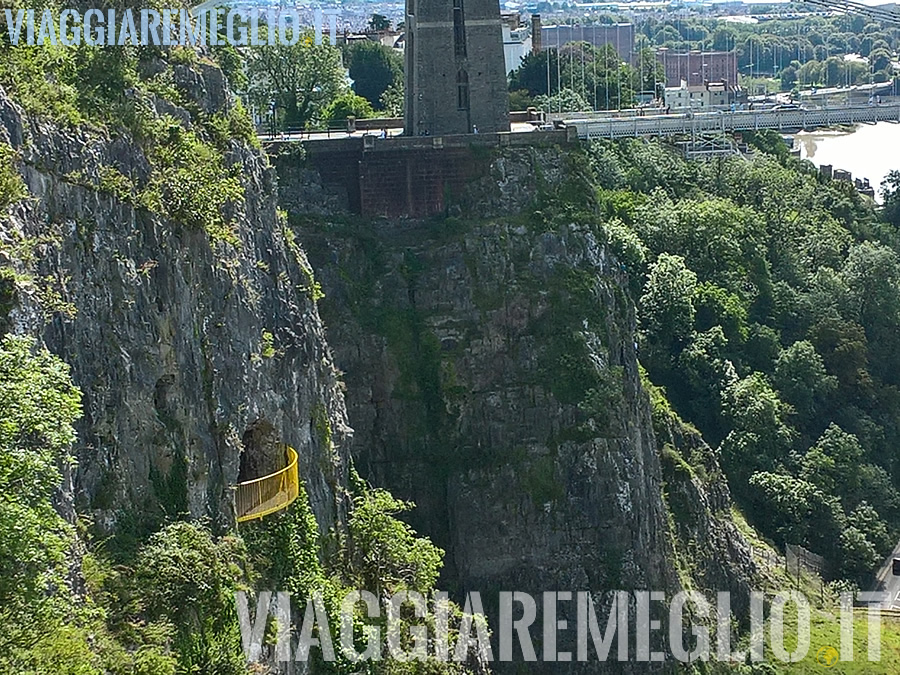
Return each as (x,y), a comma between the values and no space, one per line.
(870,151)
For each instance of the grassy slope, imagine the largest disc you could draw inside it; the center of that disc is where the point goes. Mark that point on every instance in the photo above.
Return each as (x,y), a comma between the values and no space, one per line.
(825,631)
(825,628)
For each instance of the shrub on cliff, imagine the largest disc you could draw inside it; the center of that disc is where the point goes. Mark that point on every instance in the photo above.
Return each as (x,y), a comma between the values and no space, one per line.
(12,189)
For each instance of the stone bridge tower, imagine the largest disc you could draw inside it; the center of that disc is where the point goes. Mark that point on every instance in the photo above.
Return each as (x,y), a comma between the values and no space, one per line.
(455,73)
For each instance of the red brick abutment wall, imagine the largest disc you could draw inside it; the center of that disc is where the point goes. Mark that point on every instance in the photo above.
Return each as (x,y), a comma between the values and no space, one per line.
(404,176)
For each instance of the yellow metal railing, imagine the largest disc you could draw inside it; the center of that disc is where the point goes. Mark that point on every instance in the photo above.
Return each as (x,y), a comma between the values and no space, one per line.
(263,496)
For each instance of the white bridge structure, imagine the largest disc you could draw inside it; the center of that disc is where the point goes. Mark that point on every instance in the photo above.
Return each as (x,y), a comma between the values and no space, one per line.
(595,125)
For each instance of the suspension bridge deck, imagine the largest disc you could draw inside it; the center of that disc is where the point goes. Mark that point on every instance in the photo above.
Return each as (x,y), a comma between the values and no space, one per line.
(600,125)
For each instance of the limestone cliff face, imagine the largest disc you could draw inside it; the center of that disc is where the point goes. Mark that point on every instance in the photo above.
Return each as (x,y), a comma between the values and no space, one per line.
(492,377)
(708,544)
(489,360)
(517,425)
(195,357)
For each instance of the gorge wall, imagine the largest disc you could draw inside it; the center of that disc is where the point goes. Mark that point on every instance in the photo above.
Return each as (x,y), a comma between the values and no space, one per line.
(489,360)
(190,351)
(492,378)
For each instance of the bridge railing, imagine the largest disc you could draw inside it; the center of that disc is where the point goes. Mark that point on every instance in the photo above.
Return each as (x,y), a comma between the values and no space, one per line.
(589,126)
(264,496)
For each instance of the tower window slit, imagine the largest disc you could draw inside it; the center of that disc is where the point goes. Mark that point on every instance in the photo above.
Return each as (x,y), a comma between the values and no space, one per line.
(462,90)
(459,29)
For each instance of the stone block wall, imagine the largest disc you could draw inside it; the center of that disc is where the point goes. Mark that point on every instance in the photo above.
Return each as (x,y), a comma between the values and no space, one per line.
(414,177)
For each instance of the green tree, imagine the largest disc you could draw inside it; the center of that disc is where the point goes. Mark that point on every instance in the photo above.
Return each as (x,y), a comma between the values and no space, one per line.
(596,74)
(651,166)
(866,519)
(880,59)
(606,165)
(391,101)
(795,511)
(802,381)
(717,307)
(520,99)
(872,276)
(724,39)
(779,257)
(788,78)
(667,36)
(890,189)
(667,306)
(611,82)
(704,374)
(345,106)
(834,71)
(12,187)
(721,238)
(650,74)
(535,73)
(38,405)
(373,68)
(382,554)
(875,487)
(387,554)
(844,349)
(185,576)
(565,100)
(858,555)
(760,438)
(831,463)
(379,22)
(810,73)
(301,79)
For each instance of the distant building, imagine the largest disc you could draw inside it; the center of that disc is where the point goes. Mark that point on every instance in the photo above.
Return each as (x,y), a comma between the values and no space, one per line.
(697,68)
(619,35)
(387,38)
(700,97)
(455,71)
(352,38)
(391,39)
(516,40)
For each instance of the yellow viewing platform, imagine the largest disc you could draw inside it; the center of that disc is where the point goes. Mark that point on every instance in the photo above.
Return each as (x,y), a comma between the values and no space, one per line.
(263,496)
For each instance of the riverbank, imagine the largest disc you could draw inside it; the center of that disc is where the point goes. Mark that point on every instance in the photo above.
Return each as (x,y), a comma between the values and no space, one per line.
(868,151)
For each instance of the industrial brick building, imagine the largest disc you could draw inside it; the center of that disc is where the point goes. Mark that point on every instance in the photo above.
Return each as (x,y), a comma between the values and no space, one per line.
(455,74)
(619,35)
(697,68)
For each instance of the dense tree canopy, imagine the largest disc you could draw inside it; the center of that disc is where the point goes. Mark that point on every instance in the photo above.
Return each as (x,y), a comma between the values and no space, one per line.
(373,68)
(891,193)
(38,405)
(598,75)
(300,80)
(379,22)
(345,106)
(770,313)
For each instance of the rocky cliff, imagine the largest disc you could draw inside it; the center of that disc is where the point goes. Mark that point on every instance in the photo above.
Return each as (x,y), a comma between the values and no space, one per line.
(197,354)
(492,377)
(489,358)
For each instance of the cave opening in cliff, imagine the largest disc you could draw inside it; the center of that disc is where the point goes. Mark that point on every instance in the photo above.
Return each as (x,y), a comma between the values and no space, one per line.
(262,453)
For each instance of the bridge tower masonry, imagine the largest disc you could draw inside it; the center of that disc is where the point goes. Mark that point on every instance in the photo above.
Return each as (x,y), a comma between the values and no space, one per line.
(455,72)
